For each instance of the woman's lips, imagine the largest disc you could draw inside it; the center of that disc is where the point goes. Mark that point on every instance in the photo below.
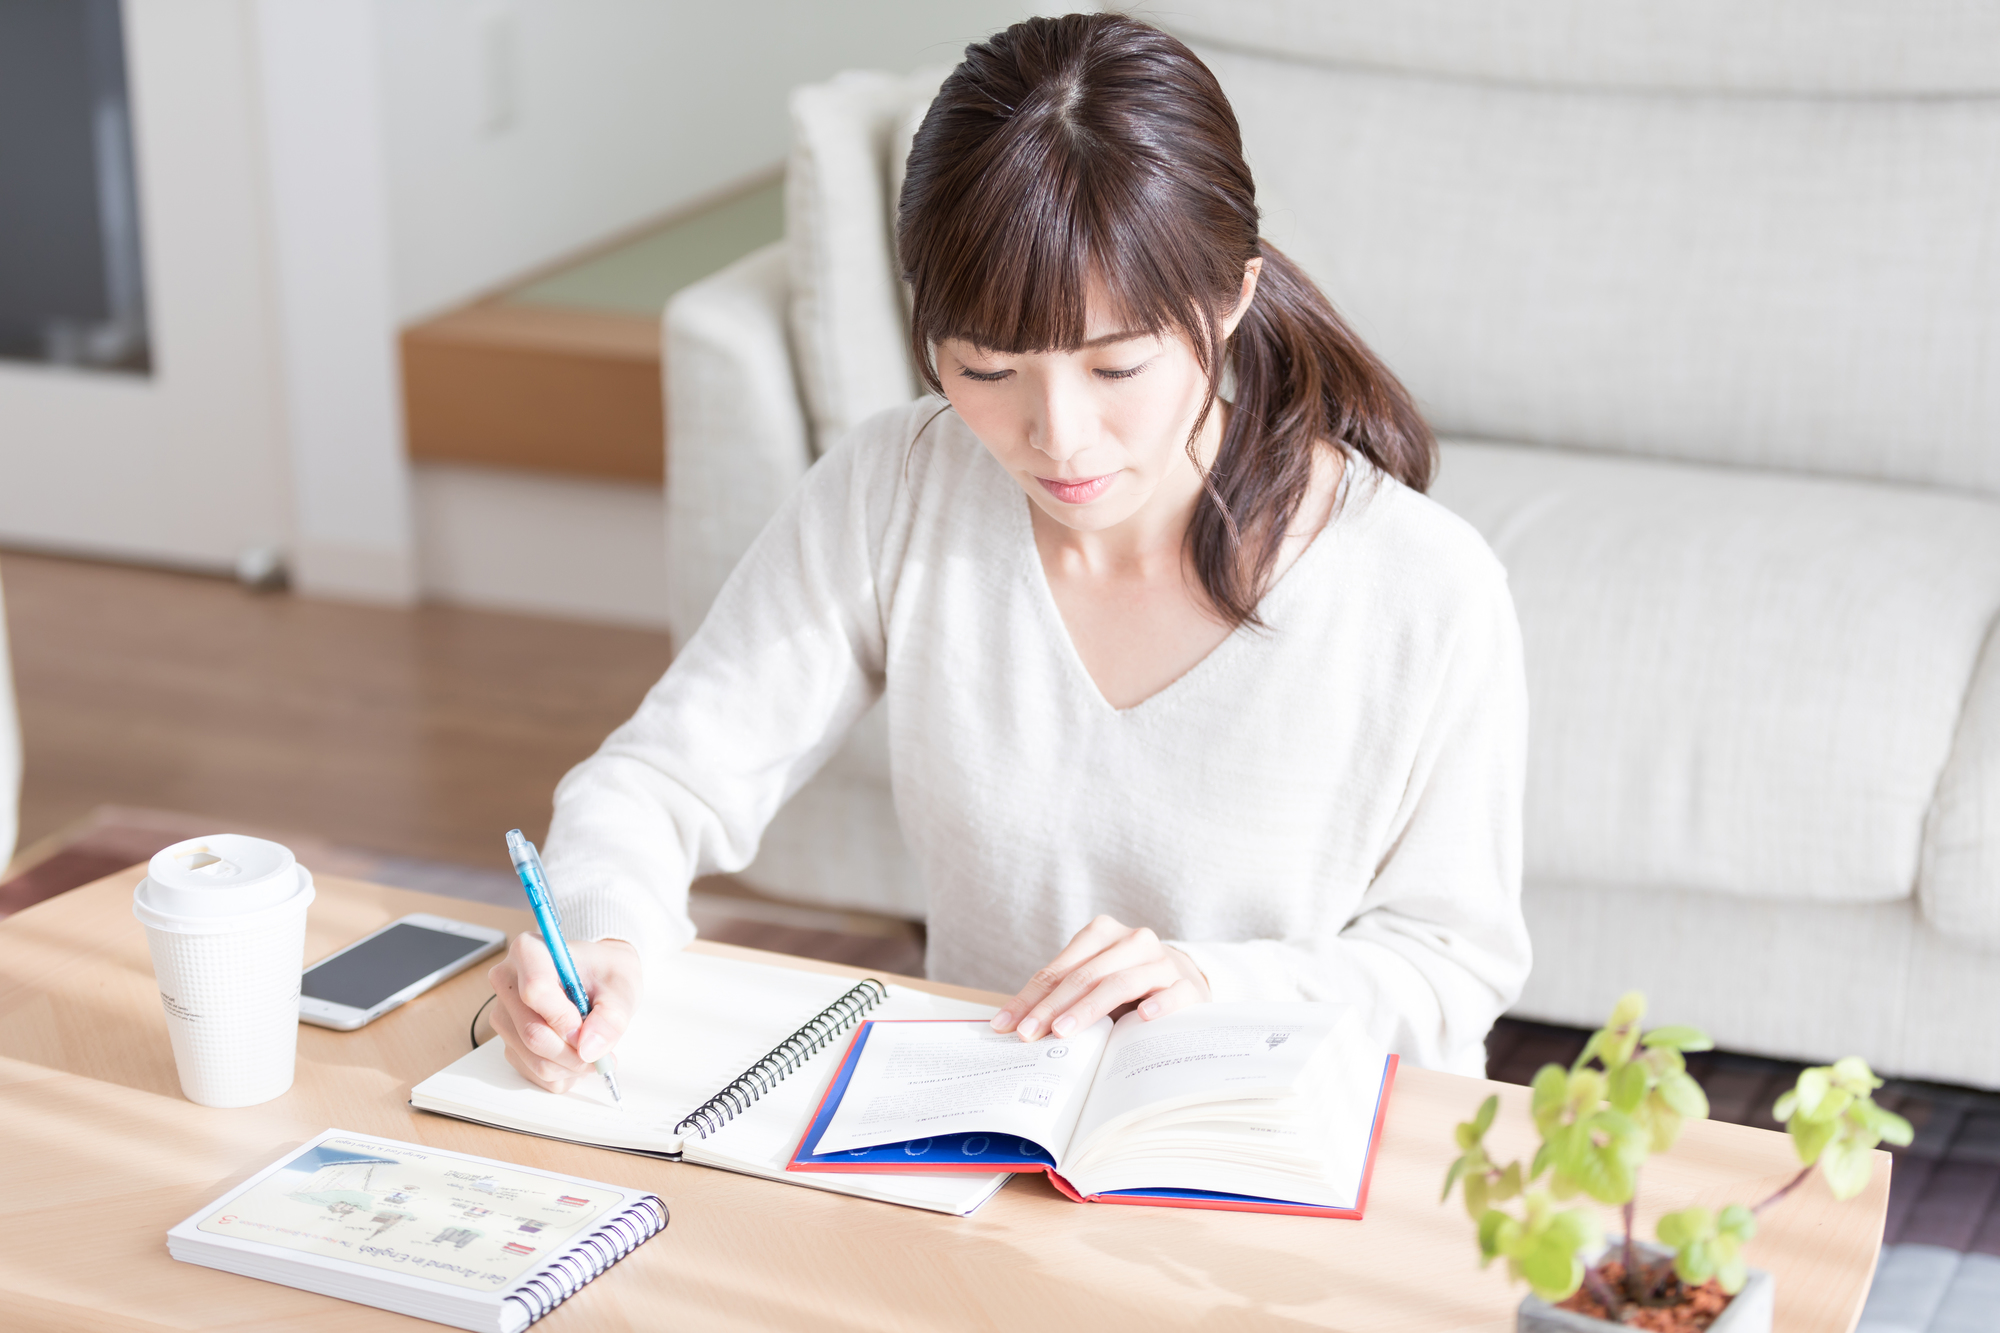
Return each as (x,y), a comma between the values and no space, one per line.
(1077,490)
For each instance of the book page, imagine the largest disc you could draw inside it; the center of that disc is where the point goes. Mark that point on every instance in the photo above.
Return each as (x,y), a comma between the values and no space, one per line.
(393,1206)
(1308,1147)
(919,1080)
(1205,1053)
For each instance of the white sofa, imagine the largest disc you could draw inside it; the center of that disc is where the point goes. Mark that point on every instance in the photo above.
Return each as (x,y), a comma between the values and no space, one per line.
(1705,301)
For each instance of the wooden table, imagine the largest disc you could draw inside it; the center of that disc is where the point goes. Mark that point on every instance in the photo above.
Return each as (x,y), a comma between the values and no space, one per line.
(104,1154)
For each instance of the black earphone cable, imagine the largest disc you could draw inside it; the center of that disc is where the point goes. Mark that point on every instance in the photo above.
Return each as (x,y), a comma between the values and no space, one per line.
(472,1033)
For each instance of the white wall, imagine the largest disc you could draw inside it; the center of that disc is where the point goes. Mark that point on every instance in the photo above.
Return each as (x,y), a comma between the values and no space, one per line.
(186,466)
(577,547)
(328,179)
(524,130)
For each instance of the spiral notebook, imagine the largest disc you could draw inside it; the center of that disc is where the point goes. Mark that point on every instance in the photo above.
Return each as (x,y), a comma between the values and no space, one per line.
(723,1066)
(444,1236)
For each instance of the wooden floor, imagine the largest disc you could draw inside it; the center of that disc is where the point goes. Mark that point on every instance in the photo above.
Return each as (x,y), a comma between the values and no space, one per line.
(424,733)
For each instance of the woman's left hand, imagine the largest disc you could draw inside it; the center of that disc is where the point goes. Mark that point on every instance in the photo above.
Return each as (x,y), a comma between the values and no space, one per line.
(1105,965)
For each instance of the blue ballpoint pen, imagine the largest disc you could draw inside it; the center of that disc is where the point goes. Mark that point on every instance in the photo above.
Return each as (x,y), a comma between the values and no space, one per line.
(528,865)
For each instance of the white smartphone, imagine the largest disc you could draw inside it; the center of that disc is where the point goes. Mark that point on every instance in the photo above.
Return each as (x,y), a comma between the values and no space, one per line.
(376,973)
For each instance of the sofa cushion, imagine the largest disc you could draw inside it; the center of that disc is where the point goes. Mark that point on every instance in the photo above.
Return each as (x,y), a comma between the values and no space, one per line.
(1961,878)
(1739,682)
(847,318)
(1784,281)
(1772,46)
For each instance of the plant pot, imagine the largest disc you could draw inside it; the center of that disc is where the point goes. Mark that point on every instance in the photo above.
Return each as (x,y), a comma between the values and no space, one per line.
(1748,1312)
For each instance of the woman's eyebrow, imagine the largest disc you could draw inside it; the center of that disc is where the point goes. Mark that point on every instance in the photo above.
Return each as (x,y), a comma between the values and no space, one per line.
(1105,339)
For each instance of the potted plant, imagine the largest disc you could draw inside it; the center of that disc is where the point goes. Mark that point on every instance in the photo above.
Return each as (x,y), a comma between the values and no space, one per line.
(1597,1126)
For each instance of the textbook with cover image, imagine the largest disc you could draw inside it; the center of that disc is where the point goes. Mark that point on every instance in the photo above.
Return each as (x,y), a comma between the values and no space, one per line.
(460,1240)
(1273,1107)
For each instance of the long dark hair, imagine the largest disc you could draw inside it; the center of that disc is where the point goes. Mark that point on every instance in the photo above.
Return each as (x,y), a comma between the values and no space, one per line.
(1096,147)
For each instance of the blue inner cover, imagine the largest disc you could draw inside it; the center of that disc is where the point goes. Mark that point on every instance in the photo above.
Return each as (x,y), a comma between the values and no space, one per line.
(978,1152)
(975,1151)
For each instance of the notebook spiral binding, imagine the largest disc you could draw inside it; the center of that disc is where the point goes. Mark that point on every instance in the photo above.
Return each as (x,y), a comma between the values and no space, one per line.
(743,1091)
(589,1257)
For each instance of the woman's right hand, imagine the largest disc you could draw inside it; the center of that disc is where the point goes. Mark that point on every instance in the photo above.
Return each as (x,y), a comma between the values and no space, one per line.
(547,1040)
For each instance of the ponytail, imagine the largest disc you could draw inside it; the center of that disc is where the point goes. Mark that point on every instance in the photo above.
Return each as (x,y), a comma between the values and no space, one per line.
(1303,379)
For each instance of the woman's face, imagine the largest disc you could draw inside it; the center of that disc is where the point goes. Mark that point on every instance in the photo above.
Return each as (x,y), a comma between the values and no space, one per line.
(1096,434)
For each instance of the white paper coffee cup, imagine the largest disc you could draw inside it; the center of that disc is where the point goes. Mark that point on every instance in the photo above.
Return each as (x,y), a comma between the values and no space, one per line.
(226,919)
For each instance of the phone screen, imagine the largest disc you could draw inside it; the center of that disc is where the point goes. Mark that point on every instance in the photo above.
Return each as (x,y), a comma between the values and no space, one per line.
(377,968)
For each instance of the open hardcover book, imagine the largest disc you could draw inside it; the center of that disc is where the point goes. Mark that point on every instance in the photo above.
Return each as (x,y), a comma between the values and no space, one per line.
(722,1066)
(461,1240)
(1254,1107)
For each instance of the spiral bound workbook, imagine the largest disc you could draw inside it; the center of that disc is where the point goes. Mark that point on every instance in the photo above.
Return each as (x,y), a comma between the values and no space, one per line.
(723,1066)
(444,1236)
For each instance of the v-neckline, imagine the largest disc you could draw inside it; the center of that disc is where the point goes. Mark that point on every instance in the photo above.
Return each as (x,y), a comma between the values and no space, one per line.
(1054,624)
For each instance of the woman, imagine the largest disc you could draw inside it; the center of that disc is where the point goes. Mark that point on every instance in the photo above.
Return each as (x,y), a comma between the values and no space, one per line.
(1189,698)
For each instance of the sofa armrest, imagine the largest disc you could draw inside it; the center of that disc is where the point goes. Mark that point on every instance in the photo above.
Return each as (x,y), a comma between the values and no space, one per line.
(737,439)
(1959,884)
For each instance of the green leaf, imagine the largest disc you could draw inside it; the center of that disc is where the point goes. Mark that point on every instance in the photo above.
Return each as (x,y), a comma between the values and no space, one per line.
(1547,1095)
(1543,1155)
(1631,1007)
(1810,1137)
(1695,1261)
(1451,1178)
(1552,1271)
(1677,1229)
(1578,1228)
(1847,1166)
(1664,1060)
(1475,1194)
(1681,1092)
(1586,1091)
(1663,1121)
(1628,1087)
(1605,1170)
(1590,1048)
(1509,1183)
(1731,1272)
(1880,1123)
(1490,1224)
(1737,1221)
(1786,1105)
(1678,1038)
(1484,1120)
(1852,1075)
(1813,1085)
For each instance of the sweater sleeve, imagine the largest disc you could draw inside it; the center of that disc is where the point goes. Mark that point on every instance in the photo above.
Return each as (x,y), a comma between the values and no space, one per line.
(1438,947)
(788,658)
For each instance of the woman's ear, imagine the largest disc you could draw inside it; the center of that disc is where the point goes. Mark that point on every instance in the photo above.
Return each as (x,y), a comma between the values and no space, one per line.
(1244,296)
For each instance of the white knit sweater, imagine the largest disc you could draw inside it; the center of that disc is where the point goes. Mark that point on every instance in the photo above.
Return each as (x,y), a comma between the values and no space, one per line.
(1325,808)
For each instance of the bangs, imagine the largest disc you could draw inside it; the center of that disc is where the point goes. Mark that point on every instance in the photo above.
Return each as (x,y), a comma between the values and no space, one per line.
(1040,219)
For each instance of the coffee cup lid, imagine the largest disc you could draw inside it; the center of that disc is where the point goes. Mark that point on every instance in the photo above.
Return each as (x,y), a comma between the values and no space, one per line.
(221,876)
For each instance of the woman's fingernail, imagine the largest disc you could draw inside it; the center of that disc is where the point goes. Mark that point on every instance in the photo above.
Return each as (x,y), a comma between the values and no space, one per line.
(1002,1020)
(590,1048)
(1029,1027)
(1150,1009)
(1062,1025)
